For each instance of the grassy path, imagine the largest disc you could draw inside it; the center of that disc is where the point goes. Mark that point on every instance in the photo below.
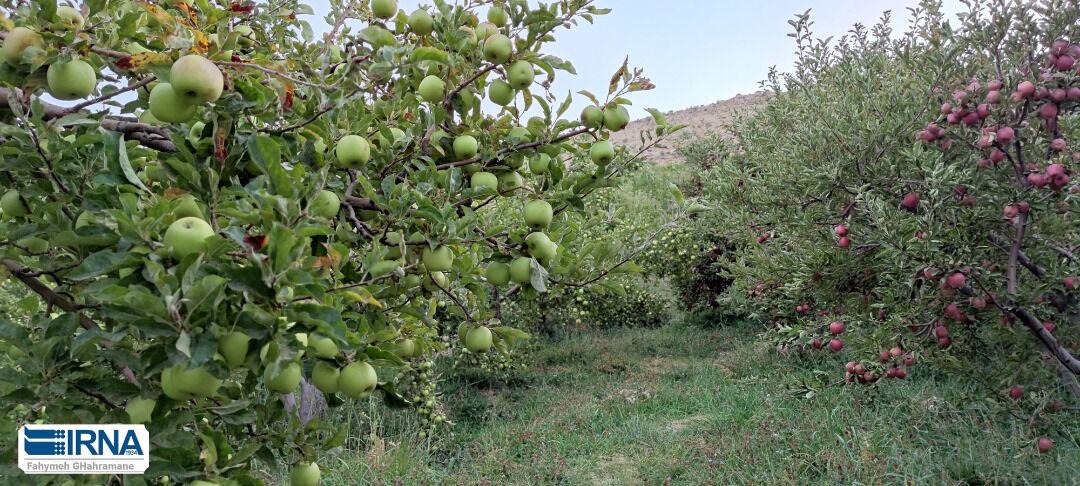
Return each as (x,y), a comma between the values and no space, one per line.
(687,406)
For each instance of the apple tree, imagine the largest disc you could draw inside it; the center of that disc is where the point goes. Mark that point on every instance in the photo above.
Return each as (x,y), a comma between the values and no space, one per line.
(911,197)
(227,217)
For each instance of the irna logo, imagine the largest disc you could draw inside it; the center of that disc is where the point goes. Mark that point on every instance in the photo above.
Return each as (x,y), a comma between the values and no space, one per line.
(84,449)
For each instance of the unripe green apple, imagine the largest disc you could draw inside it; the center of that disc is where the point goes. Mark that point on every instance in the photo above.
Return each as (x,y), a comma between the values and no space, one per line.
(196,80)
(485,181)
(497,16)
(325,204)
(540,246)
(405,348)
(538,214)
(384,9)
(195,132)
(616,117)
(169,107)
(34,245)
(478,340)
(323,346)
(68,18)
(325,377)
(440,259)
(435,281)
(602,153)
(498,273)
(187,236)
(71,80)
(466,147)
(188,207)
(358,380)
(384,268)
(519,135)
(234,348)
(12,204)
(182,383)
(420,22)
(16,43)
(500,92)
(592,117)
(305,475)
(520,75)
(539,164)
(509,181)
(498,48)
(148,118)
(353,151)
(463,331)
(432,89)
(485,30)
(247,35)
(286,380)
(521,270)
(140,410)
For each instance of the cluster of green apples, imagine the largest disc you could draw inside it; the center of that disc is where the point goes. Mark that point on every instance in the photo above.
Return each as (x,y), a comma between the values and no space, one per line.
(70,79)
(417,384)
(194,81)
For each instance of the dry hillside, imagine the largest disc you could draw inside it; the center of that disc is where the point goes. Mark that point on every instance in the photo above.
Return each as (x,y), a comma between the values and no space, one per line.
(700,120)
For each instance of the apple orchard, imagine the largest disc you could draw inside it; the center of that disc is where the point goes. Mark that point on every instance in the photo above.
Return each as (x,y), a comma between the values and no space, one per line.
(275,217)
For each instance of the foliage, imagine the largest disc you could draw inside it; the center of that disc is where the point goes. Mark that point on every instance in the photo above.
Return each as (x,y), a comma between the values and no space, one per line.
(321,212)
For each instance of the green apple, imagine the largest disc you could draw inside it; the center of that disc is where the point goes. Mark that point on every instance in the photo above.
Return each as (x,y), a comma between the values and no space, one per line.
(34,245)
(485,181)
(13,205)
(286,380)
(538,214)
(405,348)
(463,331)
(71,80)
(521,75)
(539,164)
(16,43)
(592,117)
(247,35)
(602,153)
(304,474)
(187,207)
(540,246)
(139,410)
(518,135)
(616,117)
(196,80)
(323,346)
(485,30)
(497,16)
(358,380)
(168,107)
(325,377)
(325,205)
(478,340)
(466,147)
(498,273)
(500,92)
(182,383)
(436,281)
(148,118)
(187,236)
(440,259)
(384,9)
(498,48)
(68,18)
(432,89)
(521,270)
(509,181)
(234,348)
(353,151)
(420,22)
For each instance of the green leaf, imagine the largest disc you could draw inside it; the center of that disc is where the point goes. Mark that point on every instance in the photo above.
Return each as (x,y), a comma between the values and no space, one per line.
(125,165)
(429,54)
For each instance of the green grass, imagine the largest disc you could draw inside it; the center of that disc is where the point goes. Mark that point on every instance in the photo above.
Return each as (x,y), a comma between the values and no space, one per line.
(688,406)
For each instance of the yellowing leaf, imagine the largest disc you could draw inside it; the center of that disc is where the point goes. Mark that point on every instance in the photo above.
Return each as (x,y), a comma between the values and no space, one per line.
(202,42)
(141,60)
(157,13)
(362,296)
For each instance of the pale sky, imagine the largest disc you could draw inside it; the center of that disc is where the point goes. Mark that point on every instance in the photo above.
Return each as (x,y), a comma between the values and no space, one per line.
(695,51)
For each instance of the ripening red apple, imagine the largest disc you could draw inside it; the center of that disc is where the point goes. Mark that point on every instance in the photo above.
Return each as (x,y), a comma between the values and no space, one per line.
(837,327)
(956,280)
(1016,392)
(909,360)
(841,230)
(844,242)
(884,356)
(941,332)
(816,343)
(900,373)
(836,345)
(910,201)
(1048,110)
(850,366)
(1045,444)
(1010,212)
(1026,89)
(1049,326)
(944,342)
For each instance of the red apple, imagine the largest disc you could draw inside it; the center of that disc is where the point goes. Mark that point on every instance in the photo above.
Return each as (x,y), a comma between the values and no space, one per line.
(1016,392)
(956,280)
(836,345)
(837,327)
(1045,444)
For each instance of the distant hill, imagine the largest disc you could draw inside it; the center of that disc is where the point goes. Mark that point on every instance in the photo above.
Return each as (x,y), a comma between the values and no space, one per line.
(701,120)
